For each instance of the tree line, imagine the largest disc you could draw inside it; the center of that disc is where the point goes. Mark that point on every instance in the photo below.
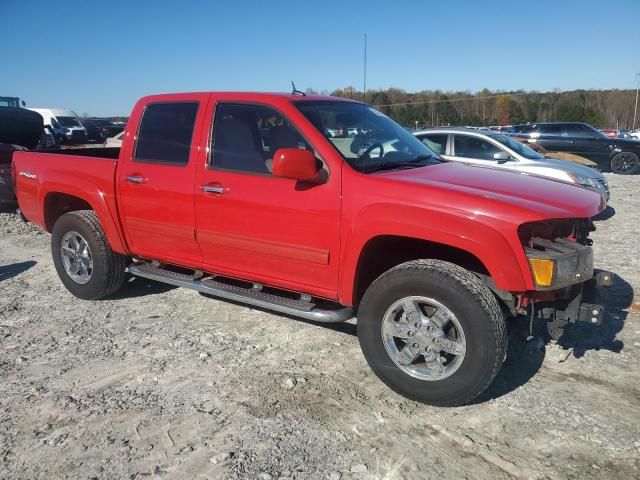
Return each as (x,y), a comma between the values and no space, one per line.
(600,108)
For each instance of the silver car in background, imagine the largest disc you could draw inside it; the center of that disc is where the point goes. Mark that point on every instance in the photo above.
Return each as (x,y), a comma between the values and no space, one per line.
(501,151)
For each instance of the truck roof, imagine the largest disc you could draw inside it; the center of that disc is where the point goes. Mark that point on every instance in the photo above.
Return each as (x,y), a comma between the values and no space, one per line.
(250,96)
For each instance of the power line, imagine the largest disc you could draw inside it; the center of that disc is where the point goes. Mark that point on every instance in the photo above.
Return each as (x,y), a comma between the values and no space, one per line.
(464,99)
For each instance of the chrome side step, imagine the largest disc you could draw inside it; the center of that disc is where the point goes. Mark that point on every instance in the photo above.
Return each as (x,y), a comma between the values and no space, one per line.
(302,307)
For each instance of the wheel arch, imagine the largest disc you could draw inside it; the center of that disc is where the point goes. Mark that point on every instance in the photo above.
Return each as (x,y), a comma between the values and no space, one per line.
(384,252)
(57,202)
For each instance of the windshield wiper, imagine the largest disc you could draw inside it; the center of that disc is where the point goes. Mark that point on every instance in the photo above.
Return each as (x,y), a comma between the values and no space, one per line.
(414,162)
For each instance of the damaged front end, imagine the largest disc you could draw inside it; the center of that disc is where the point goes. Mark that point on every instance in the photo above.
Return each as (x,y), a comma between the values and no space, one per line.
(561,262)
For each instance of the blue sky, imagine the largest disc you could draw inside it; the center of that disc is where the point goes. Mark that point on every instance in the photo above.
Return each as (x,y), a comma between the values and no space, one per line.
(99,57)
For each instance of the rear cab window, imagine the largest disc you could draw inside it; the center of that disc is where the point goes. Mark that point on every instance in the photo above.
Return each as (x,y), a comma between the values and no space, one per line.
(165,133)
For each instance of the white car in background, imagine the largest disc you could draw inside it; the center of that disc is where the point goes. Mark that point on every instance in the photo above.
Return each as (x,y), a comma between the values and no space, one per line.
(501,151)
(115,141)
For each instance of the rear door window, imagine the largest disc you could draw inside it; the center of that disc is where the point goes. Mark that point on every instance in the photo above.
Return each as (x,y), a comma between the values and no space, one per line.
(165,133)
(577,130)
(436,142)
(467,146)
(551,130)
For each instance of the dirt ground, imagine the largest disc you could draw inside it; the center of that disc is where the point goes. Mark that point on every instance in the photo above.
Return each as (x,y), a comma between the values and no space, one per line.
(163,383)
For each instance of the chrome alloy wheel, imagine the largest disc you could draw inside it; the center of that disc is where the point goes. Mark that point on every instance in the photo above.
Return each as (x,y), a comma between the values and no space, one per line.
(423,338)
(76,257)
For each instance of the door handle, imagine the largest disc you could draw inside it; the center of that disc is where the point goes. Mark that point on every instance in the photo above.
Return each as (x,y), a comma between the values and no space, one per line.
(213,189)
(135,179)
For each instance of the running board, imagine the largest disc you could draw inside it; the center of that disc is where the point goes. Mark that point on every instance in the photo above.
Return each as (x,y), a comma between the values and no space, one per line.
(303,307)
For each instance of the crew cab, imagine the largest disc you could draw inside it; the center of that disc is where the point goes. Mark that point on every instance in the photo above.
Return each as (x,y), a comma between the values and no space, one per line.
(246,197)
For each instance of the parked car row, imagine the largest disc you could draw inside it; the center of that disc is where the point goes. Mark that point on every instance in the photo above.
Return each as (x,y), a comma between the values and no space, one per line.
(67,127)
(501,151)
(619,155)
(617,151)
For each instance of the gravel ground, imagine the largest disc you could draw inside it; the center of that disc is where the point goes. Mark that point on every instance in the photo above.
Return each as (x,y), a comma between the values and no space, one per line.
(161,382)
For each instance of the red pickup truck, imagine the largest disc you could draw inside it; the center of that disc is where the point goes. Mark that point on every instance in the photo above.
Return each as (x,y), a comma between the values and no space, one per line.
(249,197)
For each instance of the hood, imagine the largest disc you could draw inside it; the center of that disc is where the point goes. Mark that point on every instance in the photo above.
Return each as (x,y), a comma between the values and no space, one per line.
(498,193)
(570,167)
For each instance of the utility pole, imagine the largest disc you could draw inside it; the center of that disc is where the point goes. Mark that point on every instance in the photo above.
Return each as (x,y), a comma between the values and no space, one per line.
(635,110)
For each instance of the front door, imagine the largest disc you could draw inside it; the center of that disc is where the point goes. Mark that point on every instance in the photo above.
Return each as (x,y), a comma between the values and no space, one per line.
(156,182)
(588,143)
(253,225)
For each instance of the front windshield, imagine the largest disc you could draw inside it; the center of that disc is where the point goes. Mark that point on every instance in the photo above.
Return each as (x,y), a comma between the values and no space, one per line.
(68,121)
(519,148)
(366,138)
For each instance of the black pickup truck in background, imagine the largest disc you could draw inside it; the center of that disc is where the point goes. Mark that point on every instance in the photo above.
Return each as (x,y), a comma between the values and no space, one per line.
(618,155)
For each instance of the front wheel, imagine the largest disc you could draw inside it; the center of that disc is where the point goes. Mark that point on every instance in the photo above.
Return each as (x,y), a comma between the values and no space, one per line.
(83,258)
(625,163)
(433,332)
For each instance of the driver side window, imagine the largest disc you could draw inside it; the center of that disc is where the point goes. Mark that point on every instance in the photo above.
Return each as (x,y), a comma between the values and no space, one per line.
(466,146)
(246,137)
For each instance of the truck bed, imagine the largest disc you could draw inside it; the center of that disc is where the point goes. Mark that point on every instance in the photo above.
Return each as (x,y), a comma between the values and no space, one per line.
(86,173)
(92,152)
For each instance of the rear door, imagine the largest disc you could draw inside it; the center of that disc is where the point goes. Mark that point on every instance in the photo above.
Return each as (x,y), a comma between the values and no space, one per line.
(472,149)
(255,226)
(550,136)
(156,181)
(436,142)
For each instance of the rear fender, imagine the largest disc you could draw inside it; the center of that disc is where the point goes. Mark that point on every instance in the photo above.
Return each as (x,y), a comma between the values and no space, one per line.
(101,202)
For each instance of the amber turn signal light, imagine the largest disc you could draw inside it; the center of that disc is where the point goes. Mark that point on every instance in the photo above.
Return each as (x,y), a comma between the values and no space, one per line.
(542,269)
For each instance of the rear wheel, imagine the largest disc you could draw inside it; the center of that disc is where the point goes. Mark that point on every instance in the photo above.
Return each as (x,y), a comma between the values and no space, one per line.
(625,163)
(85,263)
(433,332)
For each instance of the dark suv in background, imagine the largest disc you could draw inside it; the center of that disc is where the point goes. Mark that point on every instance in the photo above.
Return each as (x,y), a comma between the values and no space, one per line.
(99,129)
(616,154)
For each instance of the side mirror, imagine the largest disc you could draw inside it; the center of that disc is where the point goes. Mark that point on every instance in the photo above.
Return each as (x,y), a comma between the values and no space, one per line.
(501,157)
(294,163)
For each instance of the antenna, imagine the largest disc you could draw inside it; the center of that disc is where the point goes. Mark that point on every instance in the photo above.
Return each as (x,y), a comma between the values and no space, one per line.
(364,80)
(364,93)
(295,91)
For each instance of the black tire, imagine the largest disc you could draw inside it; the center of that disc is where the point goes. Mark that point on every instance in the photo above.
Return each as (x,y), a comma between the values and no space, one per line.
(625,163)
(108,273)
(477,310)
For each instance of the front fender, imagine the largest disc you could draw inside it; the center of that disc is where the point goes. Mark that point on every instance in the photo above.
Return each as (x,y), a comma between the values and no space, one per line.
(503,257)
